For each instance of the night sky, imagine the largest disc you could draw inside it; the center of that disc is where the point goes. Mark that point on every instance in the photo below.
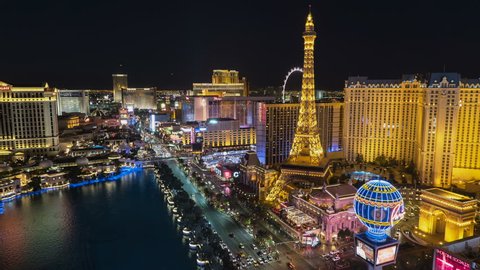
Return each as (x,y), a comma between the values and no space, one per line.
(170,44)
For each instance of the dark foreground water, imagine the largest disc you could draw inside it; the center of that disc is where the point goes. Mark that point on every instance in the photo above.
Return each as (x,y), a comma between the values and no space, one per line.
(113,225)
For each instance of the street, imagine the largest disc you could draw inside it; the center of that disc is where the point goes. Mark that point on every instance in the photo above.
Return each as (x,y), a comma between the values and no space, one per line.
(222,223)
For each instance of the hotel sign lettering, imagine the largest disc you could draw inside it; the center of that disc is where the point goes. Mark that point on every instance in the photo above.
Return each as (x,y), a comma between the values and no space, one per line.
(443,260)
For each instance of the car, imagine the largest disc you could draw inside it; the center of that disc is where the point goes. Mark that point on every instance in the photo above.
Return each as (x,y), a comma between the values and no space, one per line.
(333,252)
(254,247)
(241,246)
(325,256)
(231,235)
(336,258)
(291,266)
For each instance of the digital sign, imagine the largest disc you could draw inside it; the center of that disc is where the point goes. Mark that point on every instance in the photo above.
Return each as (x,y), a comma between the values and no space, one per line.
(71,94)
(365,251)
(445,261)
(386,254)
(310,240)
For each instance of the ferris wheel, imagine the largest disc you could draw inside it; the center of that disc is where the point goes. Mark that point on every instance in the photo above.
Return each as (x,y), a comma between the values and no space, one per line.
(293,70)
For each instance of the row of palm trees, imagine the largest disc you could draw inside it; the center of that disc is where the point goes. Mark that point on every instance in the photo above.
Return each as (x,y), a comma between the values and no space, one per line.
(193,219)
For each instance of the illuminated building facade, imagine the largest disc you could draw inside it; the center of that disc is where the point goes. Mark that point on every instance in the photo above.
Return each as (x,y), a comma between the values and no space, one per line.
(170,100)
(249,171)
(433,123)
(306,164)
(120,82)
(28,120)
(9,187)
(446,213)
(139,98)
(332,208)
(275,129)
(200,108)
(70,101)
(459,255)
(257,177)
(224,83)
(68,121)
(102,101)
(221,133)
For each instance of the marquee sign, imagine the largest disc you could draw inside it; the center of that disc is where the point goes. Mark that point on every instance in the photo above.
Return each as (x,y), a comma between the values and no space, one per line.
(444,260)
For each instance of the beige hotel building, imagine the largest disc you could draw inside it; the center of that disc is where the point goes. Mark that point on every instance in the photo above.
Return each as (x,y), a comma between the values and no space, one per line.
(433,122)
(28,120)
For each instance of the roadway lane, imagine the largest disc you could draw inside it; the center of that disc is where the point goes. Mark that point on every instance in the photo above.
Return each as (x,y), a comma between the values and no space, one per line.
(221,223)
(224,225)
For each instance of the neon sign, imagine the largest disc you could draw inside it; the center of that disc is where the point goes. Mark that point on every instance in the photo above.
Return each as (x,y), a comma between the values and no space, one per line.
(396,214)
(444,260)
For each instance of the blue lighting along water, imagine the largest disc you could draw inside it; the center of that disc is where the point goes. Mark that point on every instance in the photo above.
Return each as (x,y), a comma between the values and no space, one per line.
(120,224)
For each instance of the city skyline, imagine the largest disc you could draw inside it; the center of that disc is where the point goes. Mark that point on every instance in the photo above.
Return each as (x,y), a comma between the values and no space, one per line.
(170,45)
(221,174)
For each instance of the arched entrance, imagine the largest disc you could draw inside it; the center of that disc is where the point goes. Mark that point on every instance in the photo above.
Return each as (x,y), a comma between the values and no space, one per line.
(448,214)
(439,219)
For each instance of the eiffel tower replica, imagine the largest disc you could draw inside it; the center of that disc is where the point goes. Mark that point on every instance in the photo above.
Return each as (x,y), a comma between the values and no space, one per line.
(306,165)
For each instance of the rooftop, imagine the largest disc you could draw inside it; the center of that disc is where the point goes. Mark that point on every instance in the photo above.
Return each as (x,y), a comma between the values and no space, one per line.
(340,190)
(343,190)
(448,195)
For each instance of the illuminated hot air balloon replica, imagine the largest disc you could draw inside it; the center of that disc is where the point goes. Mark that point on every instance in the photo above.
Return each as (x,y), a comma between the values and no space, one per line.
(379,206)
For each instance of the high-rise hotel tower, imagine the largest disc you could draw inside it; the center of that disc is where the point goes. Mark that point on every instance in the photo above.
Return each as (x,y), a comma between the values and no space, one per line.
(28,120)
(432,122)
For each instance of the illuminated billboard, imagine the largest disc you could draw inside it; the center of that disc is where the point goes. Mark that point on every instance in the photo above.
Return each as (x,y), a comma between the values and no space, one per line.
(310,240)
(376,253)
(446,261)
(386,255)
(364,251)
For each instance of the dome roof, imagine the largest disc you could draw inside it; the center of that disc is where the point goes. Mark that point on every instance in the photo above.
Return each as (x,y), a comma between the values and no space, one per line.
(320,197)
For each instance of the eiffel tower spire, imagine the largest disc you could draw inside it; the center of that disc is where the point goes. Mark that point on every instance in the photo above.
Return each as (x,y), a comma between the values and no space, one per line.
(306,163)
(306,148)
